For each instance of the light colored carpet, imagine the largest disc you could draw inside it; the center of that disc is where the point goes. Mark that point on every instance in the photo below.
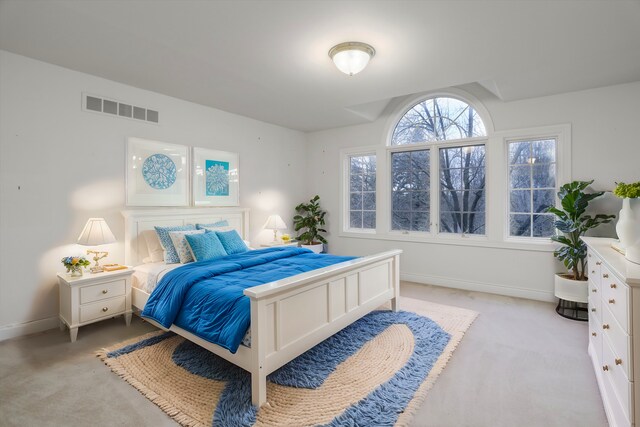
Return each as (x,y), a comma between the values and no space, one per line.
(192,399)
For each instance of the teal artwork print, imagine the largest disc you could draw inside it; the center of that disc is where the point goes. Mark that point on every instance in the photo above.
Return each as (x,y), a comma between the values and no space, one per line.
(217,178)
(159,171)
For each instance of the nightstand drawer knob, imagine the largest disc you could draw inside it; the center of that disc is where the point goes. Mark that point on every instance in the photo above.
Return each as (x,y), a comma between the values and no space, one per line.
(104,291)
(605,368)
(606,276)
(105,309)
(593,310)
(593,334)
(605,326)
(594,290)
(612,301)
(618,361)
(613,286)
(598,263)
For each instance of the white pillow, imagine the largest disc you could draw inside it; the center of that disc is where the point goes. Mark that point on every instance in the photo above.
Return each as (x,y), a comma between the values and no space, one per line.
(221,228)
(181,244)
(156,253)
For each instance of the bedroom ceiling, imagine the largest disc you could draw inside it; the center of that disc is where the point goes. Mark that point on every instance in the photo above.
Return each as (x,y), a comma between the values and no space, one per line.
(268,59)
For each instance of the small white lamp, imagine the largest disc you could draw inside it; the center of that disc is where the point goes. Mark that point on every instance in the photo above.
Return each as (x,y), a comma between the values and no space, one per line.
(275,223)
(96,232)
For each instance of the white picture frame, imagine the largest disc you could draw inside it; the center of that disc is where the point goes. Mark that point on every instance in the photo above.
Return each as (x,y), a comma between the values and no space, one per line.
(157,173)
(215,178)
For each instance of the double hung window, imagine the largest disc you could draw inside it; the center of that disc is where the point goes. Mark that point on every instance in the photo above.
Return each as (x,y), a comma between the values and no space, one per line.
(362,192)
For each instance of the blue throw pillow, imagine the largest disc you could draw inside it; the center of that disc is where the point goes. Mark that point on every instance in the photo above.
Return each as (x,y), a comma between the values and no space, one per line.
(232,242)
(171,255)
(223,223)
(205,246)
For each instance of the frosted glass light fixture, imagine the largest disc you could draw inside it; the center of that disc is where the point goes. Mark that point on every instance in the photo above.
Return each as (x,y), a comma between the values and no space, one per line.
(275,223)
(96,232)
(351,57)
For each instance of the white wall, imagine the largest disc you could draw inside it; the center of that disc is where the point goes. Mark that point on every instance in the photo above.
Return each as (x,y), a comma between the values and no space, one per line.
(60,165)
(604,147)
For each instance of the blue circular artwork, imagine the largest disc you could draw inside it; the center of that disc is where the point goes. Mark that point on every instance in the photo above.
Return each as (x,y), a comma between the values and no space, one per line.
(159,171)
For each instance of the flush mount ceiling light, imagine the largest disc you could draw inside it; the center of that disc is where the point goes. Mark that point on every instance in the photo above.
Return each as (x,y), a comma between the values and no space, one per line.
(351,57)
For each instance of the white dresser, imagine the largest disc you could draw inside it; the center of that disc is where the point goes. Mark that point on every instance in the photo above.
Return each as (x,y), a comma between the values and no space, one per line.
(614,330)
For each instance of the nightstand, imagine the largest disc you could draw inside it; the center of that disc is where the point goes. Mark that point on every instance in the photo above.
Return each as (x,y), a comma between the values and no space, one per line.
(280,243)
(94,297)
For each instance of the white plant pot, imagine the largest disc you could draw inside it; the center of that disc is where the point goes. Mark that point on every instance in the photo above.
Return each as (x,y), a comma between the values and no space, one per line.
(315,248)
(571,290)
(628,229)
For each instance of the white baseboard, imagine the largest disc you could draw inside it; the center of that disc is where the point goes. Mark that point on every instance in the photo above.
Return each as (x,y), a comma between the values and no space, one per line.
(490,288)
(14,330)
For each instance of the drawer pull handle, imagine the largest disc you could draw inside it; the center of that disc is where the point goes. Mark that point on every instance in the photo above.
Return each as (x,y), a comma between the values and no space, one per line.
(105,309)
(598,263)
(612,301)
(613,286)
(593,271)
(605,326)
(593,310)
(605,368)
(594,290)
(606,276)
(104,291)
(593,334)
(618,361)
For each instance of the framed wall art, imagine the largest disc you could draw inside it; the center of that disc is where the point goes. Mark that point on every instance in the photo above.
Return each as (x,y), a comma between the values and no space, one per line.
(157,173)
(215,178)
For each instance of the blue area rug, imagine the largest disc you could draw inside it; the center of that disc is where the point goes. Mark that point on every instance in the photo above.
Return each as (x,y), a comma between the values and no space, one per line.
(366,374)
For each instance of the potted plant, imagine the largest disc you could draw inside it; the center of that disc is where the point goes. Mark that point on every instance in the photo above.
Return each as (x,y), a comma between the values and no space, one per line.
(628,226)
(309,219)
(573,223)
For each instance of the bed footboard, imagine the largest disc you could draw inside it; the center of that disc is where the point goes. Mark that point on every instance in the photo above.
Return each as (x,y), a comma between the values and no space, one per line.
(292,315)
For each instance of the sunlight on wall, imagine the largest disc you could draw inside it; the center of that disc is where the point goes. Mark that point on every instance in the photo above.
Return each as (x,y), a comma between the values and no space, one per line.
(98,195)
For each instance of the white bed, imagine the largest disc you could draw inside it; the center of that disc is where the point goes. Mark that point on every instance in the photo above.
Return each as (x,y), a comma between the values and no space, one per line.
(288,316)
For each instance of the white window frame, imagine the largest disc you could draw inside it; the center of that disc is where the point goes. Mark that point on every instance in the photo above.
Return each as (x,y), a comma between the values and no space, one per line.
(562,135)
(345,220)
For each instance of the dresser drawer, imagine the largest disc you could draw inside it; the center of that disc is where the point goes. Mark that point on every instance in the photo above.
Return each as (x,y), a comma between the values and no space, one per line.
(100,309)
(621,388)
(595,301)
(102,291)
(593,268)
(595,336)
(615,296)
(617,416)
(619,341)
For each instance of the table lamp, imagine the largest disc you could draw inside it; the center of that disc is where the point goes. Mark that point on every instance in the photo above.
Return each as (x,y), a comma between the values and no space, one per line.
(96,232)
(275,223)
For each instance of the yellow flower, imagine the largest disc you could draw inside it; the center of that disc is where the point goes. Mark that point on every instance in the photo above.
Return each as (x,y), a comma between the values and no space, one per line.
(74,261)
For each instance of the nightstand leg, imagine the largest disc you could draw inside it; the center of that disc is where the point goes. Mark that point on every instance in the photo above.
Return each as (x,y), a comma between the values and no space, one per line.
(73,334)
(127,319)
(61,324)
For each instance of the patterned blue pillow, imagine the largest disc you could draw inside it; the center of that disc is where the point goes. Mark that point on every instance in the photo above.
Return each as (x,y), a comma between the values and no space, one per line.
(232,242)
(205,246)
(171,255)
(217,224)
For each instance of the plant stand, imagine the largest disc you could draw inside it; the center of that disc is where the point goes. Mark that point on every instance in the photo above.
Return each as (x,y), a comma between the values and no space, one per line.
(573,310)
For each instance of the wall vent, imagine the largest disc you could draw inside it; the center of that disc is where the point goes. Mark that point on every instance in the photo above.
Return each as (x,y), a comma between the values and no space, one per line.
(100,104)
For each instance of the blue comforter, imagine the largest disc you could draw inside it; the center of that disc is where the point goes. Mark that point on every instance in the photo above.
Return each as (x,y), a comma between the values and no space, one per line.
(206,298)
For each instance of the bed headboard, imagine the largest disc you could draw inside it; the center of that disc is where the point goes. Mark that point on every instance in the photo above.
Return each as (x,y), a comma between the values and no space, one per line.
(138,221)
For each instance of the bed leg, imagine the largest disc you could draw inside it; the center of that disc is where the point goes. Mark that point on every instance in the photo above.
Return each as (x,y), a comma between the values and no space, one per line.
(395,305)
(258,388)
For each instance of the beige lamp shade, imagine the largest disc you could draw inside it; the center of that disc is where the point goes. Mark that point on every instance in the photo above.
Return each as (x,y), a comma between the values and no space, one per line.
(96,232)
(274,222)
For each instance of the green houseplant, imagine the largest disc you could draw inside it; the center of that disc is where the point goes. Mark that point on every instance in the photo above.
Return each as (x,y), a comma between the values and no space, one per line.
(310,219)
(573,222)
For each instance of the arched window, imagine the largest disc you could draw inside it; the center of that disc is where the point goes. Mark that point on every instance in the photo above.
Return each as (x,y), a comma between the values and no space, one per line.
(438,119)
(422,152)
